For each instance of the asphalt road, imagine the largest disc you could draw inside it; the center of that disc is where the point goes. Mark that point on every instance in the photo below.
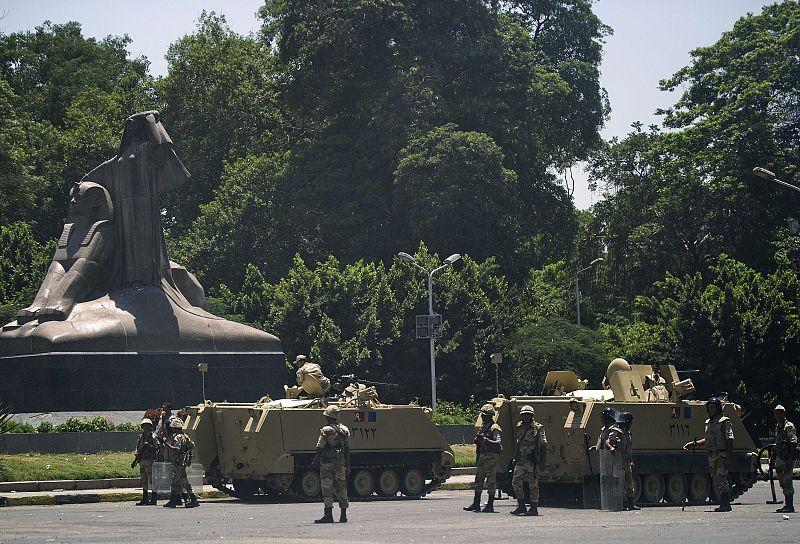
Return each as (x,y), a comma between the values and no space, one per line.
(436,518)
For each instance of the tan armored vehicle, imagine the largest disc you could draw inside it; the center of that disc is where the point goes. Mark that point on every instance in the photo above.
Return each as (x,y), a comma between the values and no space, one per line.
(267,447)
(663,472)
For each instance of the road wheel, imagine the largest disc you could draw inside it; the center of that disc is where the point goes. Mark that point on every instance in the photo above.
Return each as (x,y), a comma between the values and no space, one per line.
(637,488)
(245,489)
(699,487)
(362,482)
(310,486)
(412,483)
(653,488)
(388,483)
(677,488)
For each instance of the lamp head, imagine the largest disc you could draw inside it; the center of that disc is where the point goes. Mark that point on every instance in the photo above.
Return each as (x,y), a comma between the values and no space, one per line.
(764,173)
(597,260)
(407,258)
(452,258)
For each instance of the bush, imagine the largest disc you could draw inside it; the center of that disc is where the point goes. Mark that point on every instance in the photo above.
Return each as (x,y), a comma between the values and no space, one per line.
(18,427)
(450,413)
(74,425)
(45,427)
(100,423)
(126,427)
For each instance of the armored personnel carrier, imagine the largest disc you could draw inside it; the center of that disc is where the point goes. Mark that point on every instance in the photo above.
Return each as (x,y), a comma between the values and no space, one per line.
(663,471)
(267,447)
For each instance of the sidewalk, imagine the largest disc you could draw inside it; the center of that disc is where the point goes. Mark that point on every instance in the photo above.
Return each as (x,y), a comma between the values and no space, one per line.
(87,491)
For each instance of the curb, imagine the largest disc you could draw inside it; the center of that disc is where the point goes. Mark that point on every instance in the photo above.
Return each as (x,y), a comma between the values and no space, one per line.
(84,498)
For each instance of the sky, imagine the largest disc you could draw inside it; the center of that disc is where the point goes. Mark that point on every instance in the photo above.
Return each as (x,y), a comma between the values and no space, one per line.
(651,41)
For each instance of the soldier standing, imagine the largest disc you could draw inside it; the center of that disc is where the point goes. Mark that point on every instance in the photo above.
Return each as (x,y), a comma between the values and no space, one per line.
(146,452)
(656,386)
(487,444)
(718,441)
(333,460)
(178,451)
(608,418)
(162,430)
(305,368)
(529,457)
(620,443)
(782,458)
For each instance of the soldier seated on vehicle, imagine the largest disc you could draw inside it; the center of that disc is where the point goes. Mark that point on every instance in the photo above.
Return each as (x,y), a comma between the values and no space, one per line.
(310,379)
(656,386)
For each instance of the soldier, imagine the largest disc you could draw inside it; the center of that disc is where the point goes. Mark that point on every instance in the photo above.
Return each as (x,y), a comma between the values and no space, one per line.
(656,386)
(608,418)
(146,452)
(529,456)
(783,455)
(487,452)
(178,451)
(307,368)
(333,460)
(620,443)
(718,441)
(162,430)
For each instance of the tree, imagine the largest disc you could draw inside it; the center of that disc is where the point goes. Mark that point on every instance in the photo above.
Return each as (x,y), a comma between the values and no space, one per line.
(218,103)
(23,264)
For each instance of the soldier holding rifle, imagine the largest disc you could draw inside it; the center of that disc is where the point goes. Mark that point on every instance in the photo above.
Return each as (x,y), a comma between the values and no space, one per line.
(487,444)
(783,455)
(529,457)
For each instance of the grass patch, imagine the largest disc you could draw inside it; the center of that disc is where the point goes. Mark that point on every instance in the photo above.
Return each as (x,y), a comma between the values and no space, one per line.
(66,466)
(465,455)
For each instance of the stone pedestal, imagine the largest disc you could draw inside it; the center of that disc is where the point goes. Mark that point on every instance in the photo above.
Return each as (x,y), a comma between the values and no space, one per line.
(91,381)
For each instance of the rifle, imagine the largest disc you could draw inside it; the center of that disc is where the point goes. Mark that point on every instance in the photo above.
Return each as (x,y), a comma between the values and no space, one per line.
(691,472)
(771,477)
(135,460)
(350,378)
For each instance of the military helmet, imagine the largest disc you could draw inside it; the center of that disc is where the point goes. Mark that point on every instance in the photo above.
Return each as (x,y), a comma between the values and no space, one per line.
(487,409)
(146,421)
(527,409)
(332,412)
(176,423)
(300,359)
(715,400)
(626,418)
(780,408)
(609,413)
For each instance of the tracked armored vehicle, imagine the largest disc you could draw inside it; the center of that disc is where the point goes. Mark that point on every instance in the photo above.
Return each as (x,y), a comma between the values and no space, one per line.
(267,447)
(663,473)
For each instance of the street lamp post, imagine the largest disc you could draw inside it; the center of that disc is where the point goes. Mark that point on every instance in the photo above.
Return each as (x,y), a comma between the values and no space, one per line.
(447,262)
(768,175)
(578,289)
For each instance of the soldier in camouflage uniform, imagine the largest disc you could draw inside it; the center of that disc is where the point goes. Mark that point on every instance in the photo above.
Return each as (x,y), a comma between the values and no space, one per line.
(718,441)
(783,455)
(529,457)
(305,368)
(487,452)
(146,452)
(178,451)
(620,443)
(333,459)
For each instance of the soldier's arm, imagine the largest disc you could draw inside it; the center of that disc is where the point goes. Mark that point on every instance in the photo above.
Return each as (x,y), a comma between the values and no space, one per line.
(698,442)
(494,437)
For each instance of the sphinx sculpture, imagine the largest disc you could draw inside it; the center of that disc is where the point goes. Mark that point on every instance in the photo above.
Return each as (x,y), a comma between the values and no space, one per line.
(112,299)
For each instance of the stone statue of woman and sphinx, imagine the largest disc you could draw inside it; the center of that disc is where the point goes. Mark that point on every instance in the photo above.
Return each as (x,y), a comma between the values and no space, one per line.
(115,324)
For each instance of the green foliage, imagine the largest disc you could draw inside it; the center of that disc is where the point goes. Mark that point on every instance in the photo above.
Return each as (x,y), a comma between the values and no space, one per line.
(126,427)
(23,264)
(6,422)
(45,427)
(69,466)
(451,413)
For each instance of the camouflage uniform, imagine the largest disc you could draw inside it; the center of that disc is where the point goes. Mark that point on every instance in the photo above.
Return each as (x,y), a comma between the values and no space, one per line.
(146,452)
(334,439)
(177,452)
(718,430)
(488,455)
(530,439)
(315,371)
(785,443)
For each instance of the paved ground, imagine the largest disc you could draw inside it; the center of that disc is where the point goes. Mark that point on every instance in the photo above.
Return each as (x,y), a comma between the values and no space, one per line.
(436,518)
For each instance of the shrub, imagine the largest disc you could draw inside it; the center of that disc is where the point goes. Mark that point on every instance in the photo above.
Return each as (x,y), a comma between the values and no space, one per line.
(74,425)
(450,413)
(45,427)
(126,427)
(100,423)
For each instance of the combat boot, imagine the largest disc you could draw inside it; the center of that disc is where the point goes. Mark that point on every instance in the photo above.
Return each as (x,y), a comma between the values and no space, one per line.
(520,508)
(144,501)
(184,498)
(327,518)
(533,510)
(476,503)
(489,508)
(630,505)
(174,500)
(193,502)
(343,516)
(153,498)
(724,503)
(788,506)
